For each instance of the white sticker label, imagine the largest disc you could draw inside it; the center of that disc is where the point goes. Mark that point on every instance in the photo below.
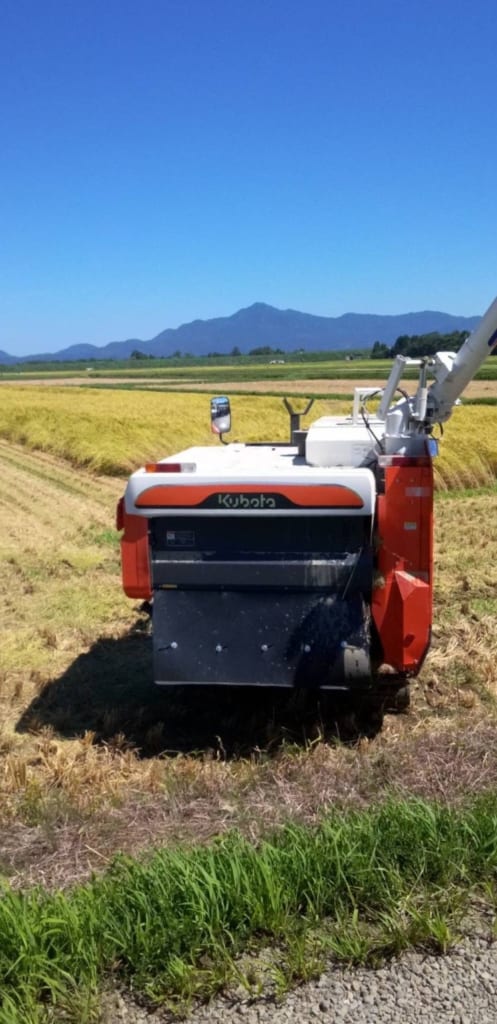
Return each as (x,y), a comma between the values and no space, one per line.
(418,492)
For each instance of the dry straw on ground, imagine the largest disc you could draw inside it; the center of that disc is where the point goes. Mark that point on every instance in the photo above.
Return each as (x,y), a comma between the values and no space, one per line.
(93,758)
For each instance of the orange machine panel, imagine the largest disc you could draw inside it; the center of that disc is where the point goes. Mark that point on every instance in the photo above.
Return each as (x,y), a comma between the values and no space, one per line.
(318,495)
(134,554)
(402,592)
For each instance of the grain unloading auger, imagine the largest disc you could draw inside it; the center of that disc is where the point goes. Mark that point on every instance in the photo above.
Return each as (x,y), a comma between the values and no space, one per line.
(305,564)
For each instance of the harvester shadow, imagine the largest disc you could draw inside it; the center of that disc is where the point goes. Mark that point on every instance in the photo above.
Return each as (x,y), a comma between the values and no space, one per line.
(108,691)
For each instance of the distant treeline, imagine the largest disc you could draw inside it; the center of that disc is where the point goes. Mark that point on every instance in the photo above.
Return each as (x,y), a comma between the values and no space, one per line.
(416,345)
(261,352)
(144,363)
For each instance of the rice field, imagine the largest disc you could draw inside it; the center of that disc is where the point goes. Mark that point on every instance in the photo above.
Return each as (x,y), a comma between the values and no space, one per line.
(116,431)
(113,432)
(82,727)
(95,760)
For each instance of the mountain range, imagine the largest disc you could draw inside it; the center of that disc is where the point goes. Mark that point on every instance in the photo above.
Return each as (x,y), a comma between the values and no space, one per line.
(259,325)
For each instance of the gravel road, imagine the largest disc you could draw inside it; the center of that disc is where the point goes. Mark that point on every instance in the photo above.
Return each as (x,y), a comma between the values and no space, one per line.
(459,988)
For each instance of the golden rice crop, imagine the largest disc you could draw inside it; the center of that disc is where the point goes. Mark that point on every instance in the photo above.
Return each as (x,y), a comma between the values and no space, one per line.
(112,431)
(468,450)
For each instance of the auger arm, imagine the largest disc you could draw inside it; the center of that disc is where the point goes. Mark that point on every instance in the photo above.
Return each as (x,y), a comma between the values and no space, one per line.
(453,371)
(412,418)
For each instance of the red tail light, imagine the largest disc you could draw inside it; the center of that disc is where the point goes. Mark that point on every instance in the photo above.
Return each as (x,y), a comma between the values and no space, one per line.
(170,467)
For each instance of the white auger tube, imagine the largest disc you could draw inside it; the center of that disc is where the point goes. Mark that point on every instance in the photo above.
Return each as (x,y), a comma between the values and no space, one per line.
(453,373)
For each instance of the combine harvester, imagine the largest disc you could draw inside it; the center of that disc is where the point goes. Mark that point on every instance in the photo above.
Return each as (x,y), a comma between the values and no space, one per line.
(307,564)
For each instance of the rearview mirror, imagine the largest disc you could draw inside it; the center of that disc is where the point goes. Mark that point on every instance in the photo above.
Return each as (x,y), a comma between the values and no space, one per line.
(220,415)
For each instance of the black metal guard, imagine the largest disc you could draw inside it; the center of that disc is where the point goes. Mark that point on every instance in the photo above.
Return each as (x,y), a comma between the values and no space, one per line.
(295,417)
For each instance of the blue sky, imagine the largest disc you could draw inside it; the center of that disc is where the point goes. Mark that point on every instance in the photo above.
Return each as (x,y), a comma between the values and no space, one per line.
(167,161)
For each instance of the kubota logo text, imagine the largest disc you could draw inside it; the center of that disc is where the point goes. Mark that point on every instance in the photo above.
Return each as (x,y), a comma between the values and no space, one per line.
(245,501)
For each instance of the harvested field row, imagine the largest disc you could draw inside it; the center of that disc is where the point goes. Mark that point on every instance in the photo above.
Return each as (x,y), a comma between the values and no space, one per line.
(475,390)
(94,759)
(334,386)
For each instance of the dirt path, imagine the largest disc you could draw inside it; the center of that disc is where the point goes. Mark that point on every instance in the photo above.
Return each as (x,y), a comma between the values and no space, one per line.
(324,385)
(415,988)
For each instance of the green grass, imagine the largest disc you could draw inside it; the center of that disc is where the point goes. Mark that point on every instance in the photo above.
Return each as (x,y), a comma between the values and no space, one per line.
(192,365)
(310,365)
(363,885)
